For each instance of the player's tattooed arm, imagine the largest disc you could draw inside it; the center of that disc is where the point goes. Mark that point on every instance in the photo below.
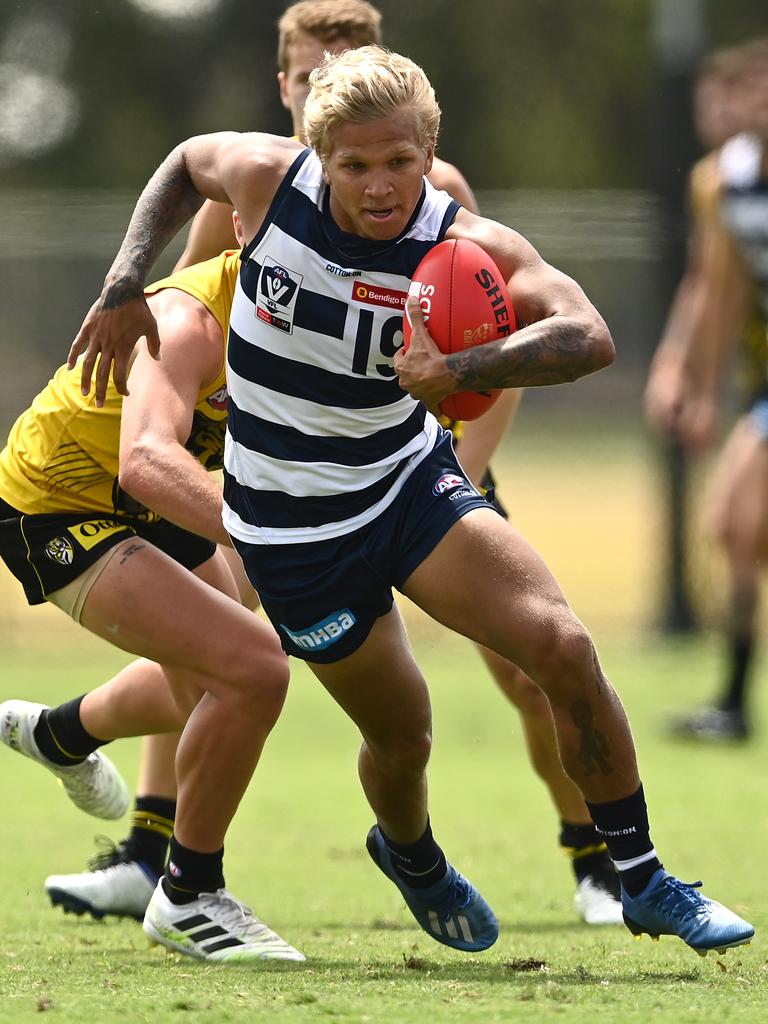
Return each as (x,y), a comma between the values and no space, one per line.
(169,200)
(553,351)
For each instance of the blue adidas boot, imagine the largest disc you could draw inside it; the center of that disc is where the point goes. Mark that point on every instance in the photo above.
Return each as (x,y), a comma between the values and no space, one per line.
(668,906)
(451,911)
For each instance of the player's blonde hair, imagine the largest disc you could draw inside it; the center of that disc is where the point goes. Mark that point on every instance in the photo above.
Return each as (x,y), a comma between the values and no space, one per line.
(362,85)
(328,21)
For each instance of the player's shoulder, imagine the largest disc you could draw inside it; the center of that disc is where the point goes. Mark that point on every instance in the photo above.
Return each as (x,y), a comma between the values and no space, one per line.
(448,178)
(259,155)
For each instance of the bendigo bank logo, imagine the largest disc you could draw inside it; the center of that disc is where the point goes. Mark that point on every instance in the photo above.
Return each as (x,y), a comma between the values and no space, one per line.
(373,295)
(276,295)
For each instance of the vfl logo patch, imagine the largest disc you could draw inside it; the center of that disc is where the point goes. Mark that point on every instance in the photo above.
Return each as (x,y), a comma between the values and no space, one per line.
(276,294)
(218,400)
(373,295)
(323,633)
(59,549)
(447,482)
(89,534)
(173,869)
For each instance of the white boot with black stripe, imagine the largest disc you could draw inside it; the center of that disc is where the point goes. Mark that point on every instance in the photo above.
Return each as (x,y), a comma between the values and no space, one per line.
(215,927)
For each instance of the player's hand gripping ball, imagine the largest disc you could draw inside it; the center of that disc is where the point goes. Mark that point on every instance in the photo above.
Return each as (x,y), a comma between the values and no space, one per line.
(465,302)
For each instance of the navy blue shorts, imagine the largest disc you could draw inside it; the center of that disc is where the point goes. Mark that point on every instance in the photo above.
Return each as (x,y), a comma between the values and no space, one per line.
(324,597)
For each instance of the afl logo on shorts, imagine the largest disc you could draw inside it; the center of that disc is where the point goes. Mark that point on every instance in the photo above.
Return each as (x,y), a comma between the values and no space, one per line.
(60,550)
(447,482)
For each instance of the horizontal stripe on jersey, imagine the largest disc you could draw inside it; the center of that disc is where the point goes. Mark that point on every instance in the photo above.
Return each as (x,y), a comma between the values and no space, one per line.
(284,442)
(321,435)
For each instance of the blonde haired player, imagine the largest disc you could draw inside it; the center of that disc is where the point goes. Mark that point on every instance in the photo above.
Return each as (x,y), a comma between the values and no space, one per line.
(305,31)
(340,484)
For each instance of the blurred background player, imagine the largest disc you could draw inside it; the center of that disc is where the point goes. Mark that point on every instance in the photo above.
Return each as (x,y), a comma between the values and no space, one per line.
(724,290)
(306,30)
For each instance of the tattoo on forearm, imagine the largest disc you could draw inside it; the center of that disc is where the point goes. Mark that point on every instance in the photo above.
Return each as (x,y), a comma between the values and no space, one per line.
(594,750)
(552,351)
(167,203)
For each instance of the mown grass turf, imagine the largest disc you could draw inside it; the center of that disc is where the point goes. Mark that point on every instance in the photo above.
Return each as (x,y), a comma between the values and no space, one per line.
(296,853)
(584,492)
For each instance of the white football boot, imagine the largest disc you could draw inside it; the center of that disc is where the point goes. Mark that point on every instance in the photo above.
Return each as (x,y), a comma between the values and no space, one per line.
(122,889)
(598,898)
(94,785)
(214,927)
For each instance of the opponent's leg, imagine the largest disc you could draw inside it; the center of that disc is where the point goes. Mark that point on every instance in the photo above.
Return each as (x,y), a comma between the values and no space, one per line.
(384,693)
(738,520)
(598,893)
(507,599)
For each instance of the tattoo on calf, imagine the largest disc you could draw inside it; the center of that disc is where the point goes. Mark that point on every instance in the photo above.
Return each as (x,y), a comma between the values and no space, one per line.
(594,749)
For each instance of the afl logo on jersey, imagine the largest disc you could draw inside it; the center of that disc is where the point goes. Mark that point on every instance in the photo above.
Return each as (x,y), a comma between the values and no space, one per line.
(59,549)
(218,400)
(276,295)
(447,482)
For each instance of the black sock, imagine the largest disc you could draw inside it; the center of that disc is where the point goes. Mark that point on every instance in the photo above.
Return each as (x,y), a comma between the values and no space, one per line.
(151,831)
(60,736)
(188,873)
(419,864)
(585,848)
(741,651)
(623,824)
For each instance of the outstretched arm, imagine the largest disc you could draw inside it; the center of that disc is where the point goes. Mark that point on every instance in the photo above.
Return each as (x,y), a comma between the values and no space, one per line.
(212,166)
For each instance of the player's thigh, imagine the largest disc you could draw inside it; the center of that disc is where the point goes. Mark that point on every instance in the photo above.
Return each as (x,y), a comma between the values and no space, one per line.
(380,686)
(484,580)
(146,603)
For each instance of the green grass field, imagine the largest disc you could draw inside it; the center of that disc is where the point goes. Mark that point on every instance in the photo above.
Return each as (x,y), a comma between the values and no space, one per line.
(296,851)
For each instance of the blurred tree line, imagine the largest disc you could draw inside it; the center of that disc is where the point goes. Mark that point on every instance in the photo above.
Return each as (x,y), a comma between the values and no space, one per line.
(543,93)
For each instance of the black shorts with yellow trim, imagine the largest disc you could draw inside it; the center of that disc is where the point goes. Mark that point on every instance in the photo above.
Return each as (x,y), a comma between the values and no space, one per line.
(47,552)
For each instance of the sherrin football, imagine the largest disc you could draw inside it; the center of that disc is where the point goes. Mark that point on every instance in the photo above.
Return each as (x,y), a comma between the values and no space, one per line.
(465,302)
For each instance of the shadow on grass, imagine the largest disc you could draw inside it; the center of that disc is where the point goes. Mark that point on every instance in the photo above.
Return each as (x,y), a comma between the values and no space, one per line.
(415,970)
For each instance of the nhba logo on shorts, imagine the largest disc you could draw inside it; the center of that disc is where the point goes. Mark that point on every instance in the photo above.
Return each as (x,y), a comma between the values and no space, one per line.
(324,633)
(59,549)
(373,295)
(276,295)
(447,482)
(94,531)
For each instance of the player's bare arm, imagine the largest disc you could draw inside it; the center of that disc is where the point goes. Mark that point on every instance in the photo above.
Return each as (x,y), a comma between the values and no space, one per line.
(155,467)
(449,179)
(241,170)
(209,234)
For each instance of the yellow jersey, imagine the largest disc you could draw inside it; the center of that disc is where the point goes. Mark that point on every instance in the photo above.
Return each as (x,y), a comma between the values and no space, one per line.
(705,197)
(63,452)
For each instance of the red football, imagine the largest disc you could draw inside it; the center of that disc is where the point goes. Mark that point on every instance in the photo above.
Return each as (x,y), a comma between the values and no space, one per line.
(465,302)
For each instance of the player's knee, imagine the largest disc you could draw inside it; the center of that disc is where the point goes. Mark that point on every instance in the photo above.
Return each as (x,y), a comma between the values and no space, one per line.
(519,688)
(403,756)
(259,677)
(567,658)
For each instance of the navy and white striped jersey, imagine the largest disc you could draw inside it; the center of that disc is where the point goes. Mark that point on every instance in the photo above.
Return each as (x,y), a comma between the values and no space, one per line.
(745,204)
(321,437)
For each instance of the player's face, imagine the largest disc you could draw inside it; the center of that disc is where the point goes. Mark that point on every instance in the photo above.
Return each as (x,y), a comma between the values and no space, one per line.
(376,173)
(302,57)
